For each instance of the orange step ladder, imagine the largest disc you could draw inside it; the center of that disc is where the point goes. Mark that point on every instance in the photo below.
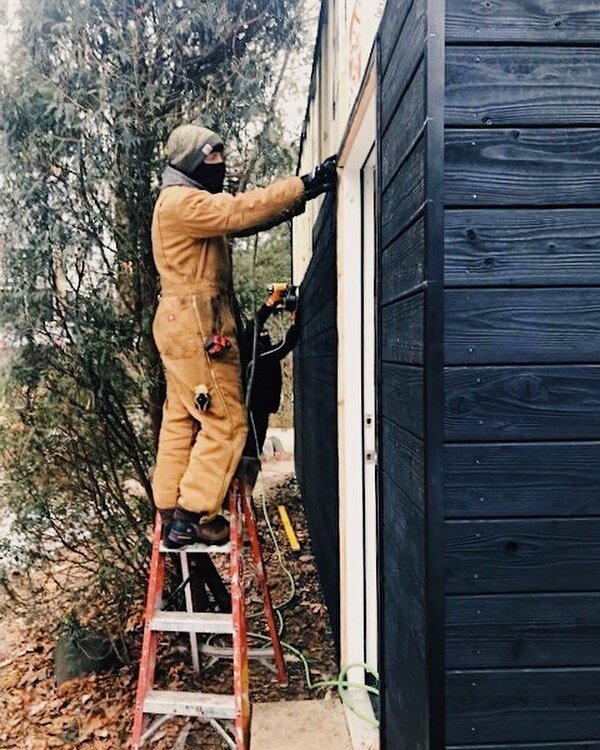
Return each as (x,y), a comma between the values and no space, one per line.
(233,710)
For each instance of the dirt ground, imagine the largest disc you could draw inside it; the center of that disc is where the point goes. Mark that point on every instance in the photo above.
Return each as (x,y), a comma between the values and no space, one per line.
(95,712)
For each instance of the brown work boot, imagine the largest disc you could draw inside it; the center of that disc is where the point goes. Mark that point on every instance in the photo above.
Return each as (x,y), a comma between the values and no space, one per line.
(183,532)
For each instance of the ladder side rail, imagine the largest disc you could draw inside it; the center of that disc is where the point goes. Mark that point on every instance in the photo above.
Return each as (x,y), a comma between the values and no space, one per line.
(150,638)
(257,556)
(240,652)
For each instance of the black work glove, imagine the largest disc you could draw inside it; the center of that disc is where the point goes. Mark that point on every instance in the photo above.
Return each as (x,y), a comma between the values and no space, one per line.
(322,180)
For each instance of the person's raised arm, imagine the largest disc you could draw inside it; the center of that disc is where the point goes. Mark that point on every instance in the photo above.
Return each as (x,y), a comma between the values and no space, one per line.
(205,214)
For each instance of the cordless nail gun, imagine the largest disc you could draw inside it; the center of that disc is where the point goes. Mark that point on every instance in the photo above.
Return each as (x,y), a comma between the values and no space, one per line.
(283,296)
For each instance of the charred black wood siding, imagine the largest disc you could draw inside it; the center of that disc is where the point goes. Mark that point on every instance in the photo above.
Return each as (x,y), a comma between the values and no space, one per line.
(410,375)
(522,375)
(315,407)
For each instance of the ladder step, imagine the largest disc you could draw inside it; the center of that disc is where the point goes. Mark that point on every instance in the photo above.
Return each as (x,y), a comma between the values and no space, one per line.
(181,703)
(192,622)
(226,652)
(196,549)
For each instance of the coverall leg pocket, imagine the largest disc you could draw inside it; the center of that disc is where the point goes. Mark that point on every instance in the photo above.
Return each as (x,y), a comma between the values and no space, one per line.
(175,328)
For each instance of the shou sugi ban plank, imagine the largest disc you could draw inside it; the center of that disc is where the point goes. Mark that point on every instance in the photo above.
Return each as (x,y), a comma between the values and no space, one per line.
(402,395)
(322,342)
(402,456)
(404,60)
(394,16)
(408,523)
(402,330)
(527,85)
(404,195)
(320,320)
(405,661)
(522,403)
(535,247)
(521,479)
(404,127)
(484,326)
(403,263)
(528,630)
(522,555)
(526,166)
(317,290)
(575,21)
(322,339)
(322,365)
(522,706)
(324,227)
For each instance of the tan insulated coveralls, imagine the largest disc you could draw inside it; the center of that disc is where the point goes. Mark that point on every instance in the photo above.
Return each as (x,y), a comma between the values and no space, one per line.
(191,254)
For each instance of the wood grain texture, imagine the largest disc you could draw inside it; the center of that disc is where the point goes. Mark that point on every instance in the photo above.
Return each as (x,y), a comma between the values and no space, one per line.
(323,340)
(402,330)
(321,364)
(530,630)
(404,127)
(313,296)
(321,319)
(535,247)
(401,546)
(522,325)
(404,195)
(402,457)
(523,706)
(392,21)
(499,86)
(324,229)
(404,642)
(522,479)
(522,555)
(408,522)
(403,61)
(522,403)
(403,263)
(315,407)
(523,167)
(520,21)
(402,396)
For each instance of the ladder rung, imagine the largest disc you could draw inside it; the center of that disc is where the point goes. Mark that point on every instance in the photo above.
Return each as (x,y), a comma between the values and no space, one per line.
(226,652)
(181,703)
(192,549)
(192,622)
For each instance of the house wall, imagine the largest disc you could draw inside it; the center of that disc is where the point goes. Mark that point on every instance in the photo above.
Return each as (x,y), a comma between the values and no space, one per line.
(347,30)
(489,379)
(411,307)
(346,35)
(315,407)
(522,391)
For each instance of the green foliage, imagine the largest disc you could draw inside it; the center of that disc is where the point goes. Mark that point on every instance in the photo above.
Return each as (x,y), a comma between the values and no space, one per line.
(88,98)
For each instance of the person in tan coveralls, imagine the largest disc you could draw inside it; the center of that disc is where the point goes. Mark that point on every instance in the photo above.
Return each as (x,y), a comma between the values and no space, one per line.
(204,425)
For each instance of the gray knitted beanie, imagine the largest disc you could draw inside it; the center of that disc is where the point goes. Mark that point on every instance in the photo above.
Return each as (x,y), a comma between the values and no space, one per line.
(188,145)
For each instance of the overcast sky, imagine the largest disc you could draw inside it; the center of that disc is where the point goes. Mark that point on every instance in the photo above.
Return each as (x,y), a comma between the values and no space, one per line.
(7,22)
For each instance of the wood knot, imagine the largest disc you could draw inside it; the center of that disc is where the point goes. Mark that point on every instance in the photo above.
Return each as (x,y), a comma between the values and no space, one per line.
(460,404)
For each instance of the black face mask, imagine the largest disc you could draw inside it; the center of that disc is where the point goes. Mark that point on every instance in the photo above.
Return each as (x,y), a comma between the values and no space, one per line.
(210,176)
